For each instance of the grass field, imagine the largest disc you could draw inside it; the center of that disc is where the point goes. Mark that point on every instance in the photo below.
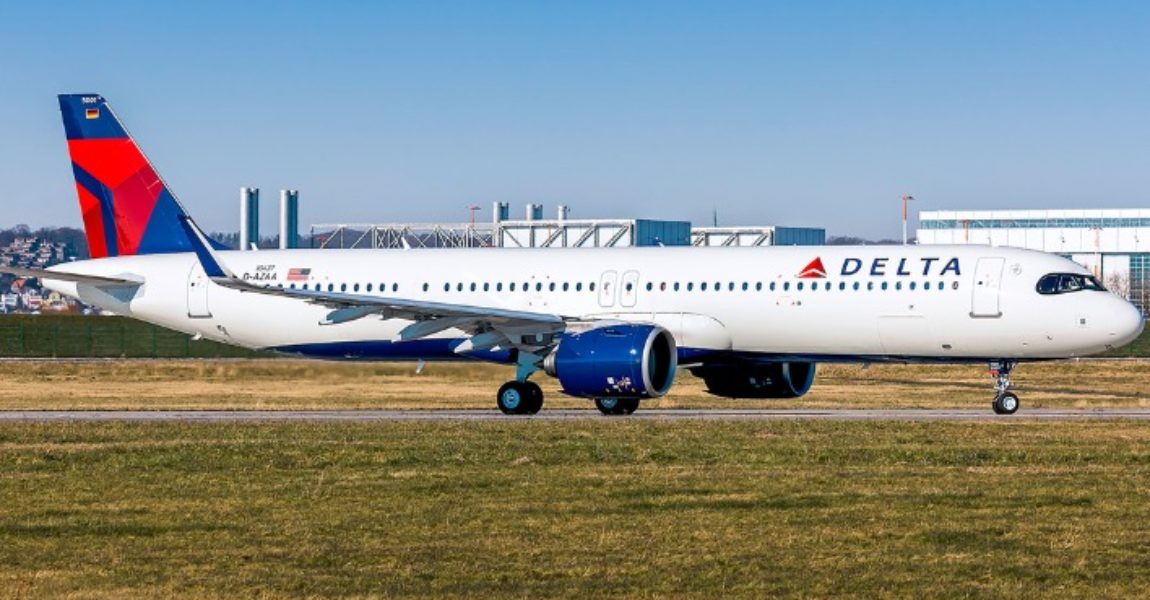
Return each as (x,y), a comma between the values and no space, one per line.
(284,384)
(598,508)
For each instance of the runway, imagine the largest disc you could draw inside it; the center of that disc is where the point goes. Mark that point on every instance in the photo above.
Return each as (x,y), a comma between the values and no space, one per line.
(209,416)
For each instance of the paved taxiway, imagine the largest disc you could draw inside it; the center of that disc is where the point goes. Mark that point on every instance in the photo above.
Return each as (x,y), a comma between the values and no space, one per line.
(229,416)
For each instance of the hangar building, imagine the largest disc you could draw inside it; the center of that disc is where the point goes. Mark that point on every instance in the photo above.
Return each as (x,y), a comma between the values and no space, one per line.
(1113,243)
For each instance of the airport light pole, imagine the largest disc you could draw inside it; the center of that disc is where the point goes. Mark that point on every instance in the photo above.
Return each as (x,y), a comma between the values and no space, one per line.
(471,230)
(905,198)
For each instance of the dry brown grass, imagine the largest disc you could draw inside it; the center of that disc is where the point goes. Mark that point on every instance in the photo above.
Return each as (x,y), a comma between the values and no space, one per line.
(292,384)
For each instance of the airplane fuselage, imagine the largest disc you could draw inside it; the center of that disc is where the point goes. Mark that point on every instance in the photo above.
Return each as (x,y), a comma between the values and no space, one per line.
(856,303)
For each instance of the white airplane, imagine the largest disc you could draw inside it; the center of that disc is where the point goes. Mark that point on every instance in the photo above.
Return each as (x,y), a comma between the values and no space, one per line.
(613,325)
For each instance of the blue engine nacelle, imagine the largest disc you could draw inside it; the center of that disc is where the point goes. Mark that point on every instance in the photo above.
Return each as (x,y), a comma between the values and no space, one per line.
(615,361)
(772,380)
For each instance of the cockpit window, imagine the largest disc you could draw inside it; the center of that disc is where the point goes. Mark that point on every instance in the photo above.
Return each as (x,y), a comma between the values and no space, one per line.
(1064,283)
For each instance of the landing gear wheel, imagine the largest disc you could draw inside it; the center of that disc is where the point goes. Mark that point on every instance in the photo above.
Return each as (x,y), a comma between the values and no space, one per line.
(1005,403)
(535,397)
(513,398)
(617,406)
(608,406)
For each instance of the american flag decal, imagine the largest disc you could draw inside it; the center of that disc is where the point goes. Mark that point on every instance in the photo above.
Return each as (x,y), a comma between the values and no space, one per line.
(296,274)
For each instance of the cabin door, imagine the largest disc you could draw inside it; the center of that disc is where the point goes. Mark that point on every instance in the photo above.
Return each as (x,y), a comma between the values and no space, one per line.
(987,281)
(198,284)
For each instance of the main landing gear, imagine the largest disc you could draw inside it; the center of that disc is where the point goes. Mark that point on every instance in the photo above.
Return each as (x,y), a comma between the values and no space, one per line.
(1005,401)
(617,406)
(520,398)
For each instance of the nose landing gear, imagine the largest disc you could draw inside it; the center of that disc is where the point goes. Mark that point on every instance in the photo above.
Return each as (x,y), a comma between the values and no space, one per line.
(1005,401)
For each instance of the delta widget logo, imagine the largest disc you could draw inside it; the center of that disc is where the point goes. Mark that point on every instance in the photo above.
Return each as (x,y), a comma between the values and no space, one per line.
(814,270)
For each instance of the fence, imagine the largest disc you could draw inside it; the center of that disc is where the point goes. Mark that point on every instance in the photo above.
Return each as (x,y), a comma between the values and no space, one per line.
(68,336)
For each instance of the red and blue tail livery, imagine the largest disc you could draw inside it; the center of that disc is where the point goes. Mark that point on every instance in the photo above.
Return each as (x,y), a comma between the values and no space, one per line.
(126,206)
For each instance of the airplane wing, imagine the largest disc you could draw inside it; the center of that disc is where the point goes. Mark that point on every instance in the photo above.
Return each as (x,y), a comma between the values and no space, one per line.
(96,280)
(489,327)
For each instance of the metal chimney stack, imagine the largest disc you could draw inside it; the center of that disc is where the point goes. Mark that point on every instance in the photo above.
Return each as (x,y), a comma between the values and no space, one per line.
(249,217)
(289,219)
(534,212)
(500,211)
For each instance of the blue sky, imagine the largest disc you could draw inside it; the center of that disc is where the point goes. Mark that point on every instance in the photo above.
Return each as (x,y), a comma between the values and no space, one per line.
(797,113)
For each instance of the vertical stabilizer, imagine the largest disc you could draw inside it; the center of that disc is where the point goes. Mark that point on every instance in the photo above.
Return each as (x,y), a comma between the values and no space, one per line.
(127,207)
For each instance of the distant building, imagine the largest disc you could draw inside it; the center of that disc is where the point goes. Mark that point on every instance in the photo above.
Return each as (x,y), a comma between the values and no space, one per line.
(1113,244)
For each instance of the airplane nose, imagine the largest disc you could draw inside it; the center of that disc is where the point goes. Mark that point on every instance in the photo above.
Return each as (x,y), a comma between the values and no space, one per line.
(1126,324)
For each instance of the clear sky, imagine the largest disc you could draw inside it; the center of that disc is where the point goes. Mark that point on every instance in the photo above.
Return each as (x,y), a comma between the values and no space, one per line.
(792,113)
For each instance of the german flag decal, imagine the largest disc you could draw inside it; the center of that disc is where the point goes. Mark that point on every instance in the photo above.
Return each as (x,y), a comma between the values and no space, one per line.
(92,113)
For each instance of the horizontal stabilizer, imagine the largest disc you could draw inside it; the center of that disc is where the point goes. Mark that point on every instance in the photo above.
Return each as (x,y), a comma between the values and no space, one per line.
(96,280)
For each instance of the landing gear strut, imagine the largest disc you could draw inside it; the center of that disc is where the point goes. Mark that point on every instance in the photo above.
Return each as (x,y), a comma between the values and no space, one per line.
(617,406)
(1005,401)
(519,398)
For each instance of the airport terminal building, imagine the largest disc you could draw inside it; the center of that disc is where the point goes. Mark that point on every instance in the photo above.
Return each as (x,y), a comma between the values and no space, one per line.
(1114,244)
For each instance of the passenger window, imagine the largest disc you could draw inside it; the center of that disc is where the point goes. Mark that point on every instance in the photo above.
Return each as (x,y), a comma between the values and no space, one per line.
(746,286)
(459,287)
(676,286)
(842,285)
(578,286)
(425,287)
(856,286)
(926,285)
(912,285)
(799,287)
(551,287)
(486,286)
(786,286)
(869,286)
(591,286)
(663,286)
(565,286)
(499,286)
(473,286)
(731,286)
(884,286)
(703,286)
(395,287)
(512,286)
(772,286)
(690,286)
(539,286)
(356,287)
(758,286)
(650,286)
(898,285)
